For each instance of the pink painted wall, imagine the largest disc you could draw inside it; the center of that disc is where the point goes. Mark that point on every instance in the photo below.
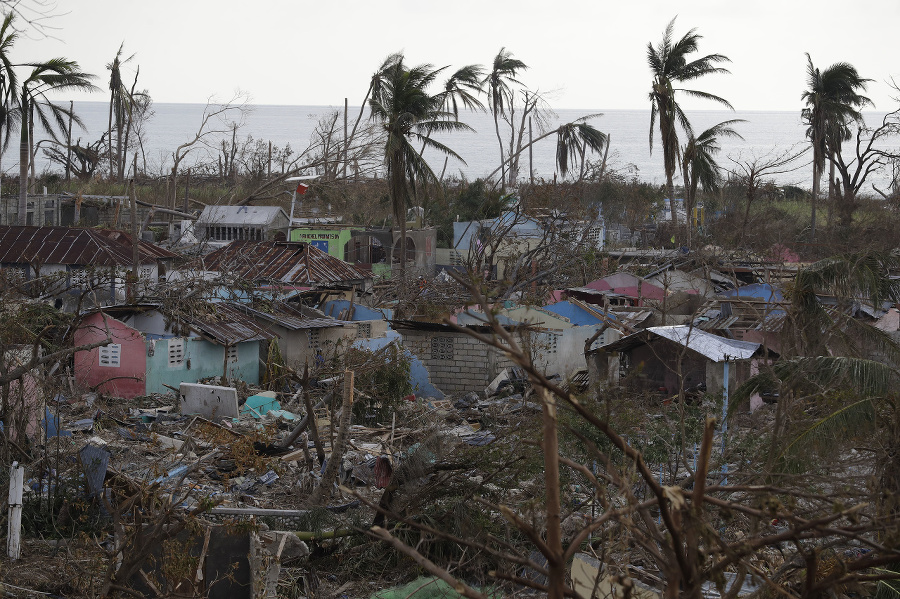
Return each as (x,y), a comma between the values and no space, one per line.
(133,361)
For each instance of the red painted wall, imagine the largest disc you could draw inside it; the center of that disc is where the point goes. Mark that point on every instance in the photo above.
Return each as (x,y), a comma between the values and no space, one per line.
(133,361)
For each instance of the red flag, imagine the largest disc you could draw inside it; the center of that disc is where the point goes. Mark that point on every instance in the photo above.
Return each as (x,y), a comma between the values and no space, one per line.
(301,188)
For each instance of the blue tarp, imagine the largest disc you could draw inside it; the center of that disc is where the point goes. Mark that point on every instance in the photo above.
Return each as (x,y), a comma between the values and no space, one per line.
(576,315)
(334,308)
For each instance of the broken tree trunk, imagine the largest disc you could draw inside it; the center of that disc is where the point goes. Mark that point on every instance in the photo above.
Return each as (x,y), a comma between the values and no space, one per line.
(323,491)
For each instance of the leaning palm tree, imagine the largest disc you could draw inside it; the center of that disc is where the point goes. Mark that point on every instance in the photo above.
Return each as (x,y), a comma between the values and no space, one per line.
(670,66)
(463,87)
(408,112)
(500,94)
(832,101)
(699,167)
(120,105)
(573,140)
(57,74)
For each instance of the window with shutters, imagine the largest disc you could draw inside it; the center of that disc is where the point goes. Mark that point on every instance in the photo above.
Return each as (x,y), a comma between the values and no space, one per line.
(231,353)
(364,330)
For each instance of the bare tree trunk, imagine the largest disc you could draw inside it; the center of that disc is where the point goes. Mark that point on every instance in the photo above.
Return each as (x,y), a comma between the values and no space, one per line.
(32,183)
(23,167)
(128,127)
(323,492)
(815,195)
(502,158)
(69,143)
(187,187)
(109,128)
(346,139)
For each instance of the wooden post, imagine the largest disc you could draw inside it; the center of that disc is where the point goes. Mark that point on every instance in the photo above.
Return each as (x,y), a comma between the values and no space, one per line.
(13,539)
(556,567)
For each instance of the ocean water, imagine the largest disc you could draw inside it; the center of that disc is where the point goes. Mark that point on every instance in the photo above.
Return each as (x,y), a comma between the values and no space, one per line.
(764,133)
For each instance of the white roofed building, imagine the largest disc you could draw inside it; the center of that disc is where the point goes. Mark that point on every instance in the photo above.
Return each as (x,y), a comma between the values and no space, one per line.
(222,224)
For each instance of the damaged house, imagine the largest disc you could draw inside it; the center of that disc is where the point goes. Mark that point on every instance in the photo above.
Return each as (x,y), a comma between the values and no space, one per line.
(154,349)
(456,362)
(304,334)
(218,225)
(651,360)
(79,266)
(283,265)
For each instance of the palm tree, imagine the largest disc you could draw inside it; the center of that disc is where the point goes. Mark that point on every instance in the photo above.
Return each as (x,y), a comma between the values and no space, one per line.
(827,363)
(500,95)
(670,66)
(407,112)
(699,167)
(56,74)
(462,87)
(574,139)
(9,115)
(120,104)
(832,102)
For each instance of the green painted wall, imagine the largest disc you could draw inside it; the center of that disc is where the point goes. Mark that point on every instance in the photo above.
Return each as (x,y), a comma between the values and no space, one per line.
(206,360)
(327,240)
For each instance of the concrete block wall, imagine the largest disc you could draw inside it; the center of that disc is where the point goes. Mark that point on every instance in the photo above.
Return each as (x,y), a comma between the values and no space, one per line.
(472,367)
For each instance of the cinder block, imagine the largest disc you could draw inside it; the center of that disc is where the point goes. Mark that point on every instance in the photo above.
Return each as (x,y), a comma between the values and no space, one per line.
(208,401)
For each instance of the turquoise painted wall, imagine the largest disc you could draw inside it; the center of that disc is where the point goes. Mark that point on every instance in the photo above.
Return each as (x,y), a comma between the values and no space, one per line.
(206,360)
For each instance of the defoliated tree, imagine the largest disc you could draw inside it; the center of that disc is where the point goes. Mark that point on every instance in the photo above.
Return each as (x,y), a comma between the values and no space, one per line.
(670,65)
(500,94)
(120,106)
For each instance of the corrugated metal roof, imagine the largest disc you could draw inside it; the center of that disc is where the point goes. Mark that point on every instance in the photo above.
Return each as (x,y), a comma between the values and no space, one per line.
(227,325)
(73,246)
(293,263)
(289,317)
(220,322)
(713,347)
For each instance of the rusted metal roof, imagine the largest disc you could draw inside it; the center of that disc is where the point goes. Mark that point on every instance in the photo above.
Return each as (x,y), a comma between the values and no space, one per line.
(73,246)
(294,263)
(289,317)
(220,322)
(227,325)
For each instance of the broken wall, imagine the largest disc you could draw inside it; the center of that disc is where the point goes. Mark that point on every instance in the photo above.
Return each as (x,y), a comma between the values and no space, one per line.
(456,363)
(175,360)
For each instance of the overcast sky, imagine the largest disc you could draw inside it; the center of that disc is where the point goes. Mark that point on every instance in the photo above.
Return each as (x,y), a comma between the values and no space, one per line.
(590,53)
